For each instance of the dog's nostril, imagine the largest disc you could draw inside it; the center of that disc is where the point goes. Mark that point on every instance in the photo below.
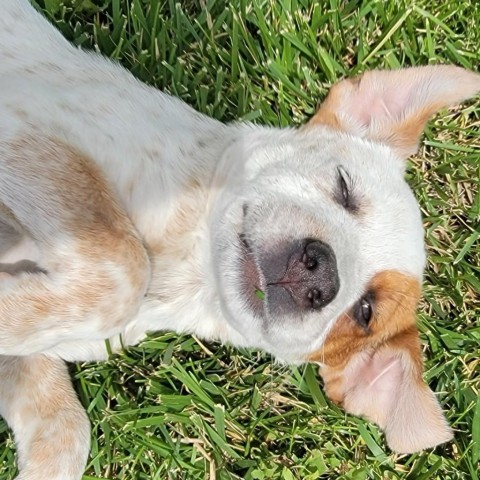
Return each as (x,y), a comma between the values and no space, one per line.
(309,262)
(310,256)
(315,297)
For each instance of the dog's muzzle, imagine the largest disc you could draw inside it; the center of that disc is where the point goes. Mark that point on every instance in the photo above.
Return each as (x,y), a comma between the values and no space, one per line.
(309,279)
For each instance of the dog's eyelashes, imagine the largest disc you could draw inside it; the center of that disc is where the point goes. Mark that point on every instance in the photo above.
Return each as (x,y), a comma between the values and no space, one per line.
(344,196)
(345,193)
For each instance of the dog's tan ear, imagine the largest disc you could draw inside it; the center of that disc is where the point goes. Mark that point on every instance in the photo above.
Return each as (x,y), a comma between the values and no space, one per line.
(386,387)
(392,107)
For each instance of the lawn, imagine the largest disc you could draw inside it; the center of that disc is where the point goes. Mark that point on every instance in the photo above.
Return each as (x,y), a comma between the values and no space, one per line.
(178,408)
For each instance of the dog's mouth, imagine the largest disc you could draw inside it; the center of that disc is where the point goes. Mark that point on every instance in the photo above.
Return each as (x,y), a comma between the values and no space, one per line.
(252,279)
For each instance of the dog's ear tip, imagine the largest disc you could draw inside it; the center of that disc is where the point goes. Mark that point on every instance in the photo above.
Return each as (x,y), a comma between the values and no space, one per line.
(417,423)
(419,437)
(414,446)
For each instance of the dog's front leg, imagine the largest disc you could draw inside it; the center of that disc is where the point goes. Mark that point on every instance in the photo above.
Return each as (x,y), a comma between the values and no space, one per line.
(50,426)
(93,268)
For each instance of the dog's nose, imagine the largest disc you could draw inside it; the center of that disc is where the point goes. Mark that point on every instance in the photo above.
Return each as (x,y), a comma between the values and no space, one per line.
(321,281)
(311,275)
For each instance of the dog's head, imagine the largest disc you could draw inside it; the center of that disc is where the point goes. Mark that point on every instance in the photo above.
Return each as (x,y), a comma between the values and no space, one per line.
(320,246)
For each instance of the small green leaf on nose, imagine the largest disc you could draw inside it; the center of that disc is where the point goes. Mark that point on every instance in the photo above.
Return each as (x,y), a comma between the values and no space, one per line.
(260,294)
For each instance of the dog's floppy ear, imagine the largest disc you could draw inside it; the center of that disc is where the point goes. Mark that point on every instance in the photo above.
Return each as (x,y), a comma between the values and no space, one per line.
(386,386)
(392,107)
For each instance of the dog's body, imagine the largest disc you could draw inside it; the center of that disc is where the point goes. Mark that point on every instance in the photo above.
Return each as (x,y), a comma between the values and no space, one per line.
(123,211)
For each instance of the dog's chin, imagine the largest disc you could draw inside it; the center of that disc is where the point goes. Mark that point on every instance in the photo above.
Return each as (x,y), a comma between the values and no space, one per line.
(252,281)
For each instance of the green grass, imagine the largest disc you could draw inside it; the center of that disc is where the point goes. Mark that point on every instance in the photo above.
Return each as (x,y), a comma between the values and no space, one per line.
(177,408)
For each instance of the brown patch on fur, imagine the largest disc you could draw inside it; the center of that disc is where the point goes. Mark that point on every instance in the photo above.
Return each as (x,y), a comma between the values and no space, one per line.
(334,103)
(406,343)
(392,107)
(400,134)
(403,135)
(376,373)
(92,213)
(392,327)
(396,296)
(81,207)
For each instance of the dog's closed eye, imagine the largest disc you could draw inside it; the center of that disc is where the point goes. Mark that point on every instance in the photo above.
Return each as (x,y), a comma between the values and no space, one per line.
(344,191)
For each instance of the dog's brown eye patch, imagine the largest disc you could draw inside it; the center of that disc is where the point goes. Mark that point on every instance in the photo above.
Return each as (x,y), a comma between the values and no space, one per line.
(343,194)
(394,297)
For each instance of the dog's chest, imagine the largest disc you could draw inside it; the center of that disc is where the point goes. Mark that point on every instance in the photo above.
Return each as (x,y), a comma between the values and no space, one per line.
(157,154)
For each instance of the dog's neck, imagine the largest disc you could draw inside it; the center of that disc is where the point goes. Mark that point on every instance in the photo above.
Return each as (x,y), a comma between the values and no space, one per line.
(183,294)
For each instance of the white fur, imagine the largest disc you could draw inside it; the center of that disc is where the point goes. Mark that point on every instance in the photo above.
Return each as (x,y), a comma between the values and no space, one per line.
(149,146)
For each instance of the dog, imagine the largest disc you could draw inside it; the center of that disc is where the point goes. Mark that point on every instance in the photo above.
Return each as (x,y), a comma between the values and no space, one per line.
(123,211)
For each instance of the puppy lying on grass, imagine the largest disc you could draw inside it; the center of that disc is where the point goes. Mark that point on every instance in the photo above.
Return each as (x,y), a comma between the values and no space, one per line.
(123,211)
